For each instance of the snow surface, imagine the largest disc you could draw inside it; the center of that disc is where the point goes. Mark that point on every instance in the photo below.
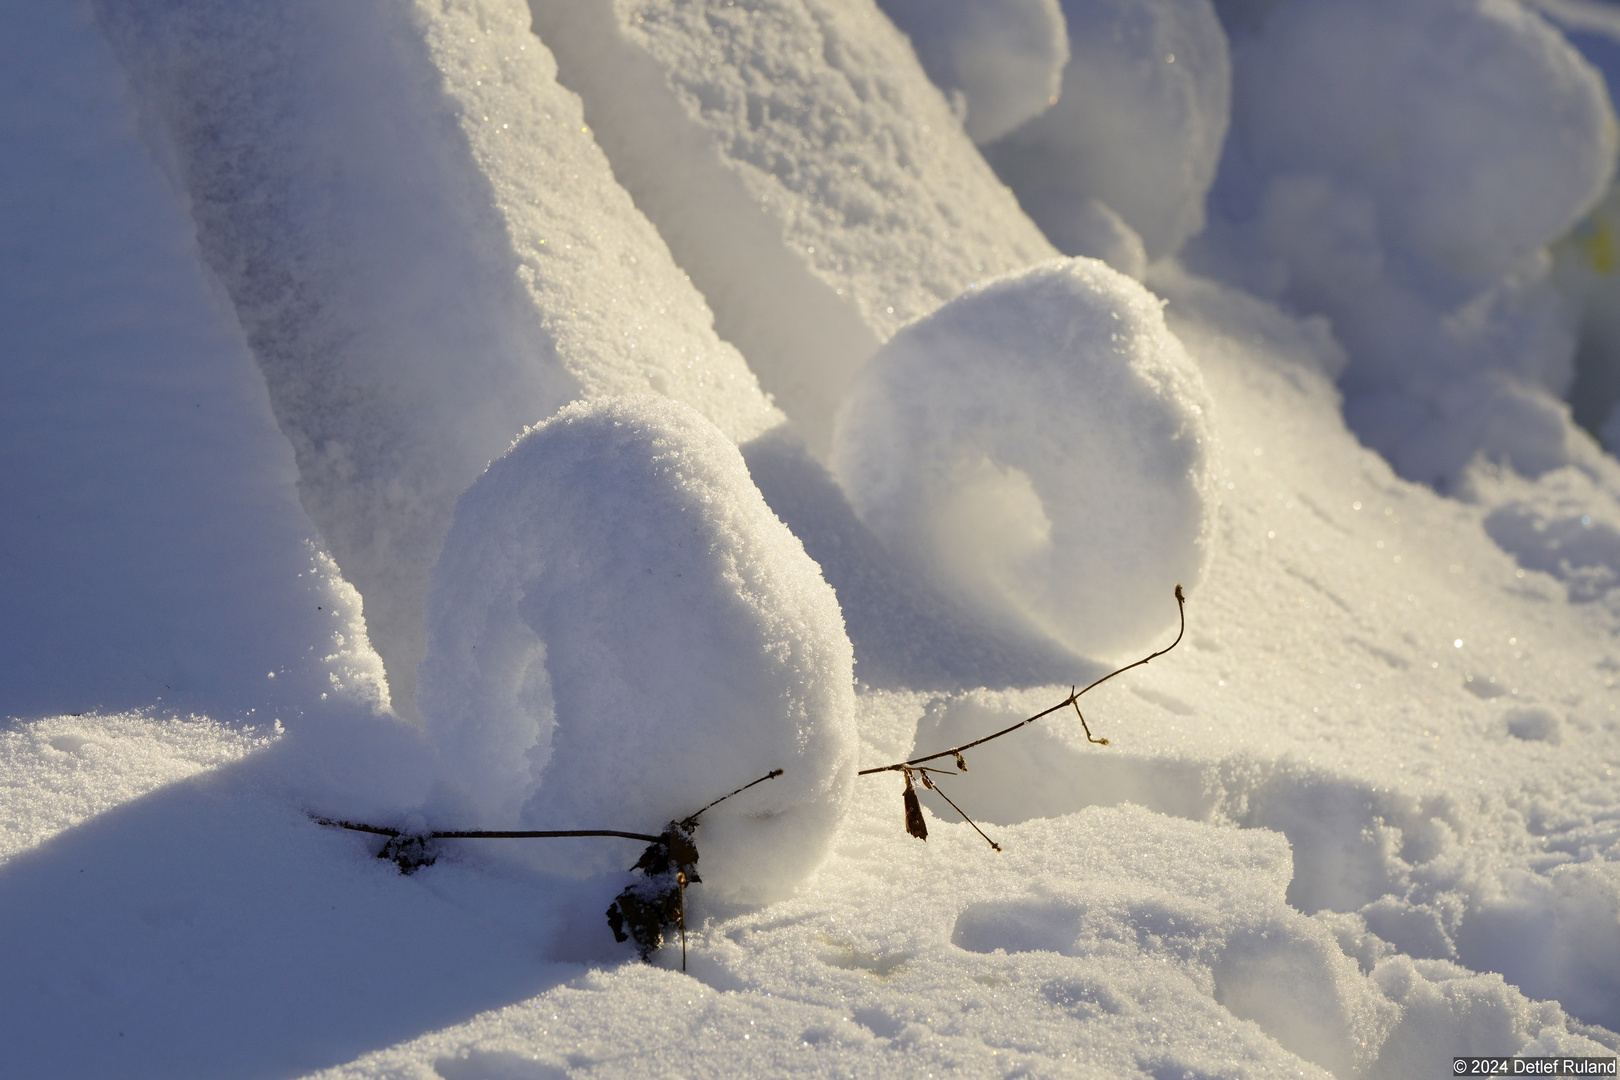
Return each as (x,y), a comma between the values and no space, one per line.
(1364,817)
(154,546)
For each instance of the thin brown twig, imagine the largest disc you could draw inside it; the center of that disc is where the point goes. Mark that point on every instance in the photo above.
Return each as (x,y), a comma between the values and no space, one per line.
(680,913)
(647,915)
(933,785)
(523,834)
(483,834)
(1072,700)
(692,818)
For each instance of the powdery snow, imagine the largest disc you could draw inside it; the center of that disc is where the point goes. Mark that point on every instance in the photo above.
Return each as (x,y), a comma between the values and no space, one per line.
(1364,817)
(62,771)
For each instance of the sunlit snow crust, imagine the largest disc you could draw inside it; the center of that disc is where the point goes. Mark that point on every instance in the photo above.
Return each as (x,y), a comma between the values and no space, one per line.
(1363,818)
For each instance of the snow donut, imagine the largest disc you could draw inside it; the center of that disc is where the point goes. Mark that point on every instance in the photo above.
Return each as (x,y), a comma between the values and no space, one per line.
(1039,447)
(620,630)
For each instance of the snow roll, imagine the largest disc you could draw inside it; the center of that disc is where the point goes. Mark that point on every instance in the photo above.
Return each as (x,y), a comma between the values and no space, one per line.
(619,631)
(1040,448)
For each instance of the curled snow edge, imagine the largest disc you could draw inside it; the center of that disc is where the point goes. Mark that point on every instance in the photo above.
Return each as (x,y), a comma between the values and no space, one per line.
(1040,448)
(619,628)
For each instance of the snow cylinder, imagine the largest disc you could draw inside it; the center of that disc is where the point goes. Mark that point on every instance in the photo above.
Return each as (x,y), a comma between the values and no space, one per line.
(620,631)
(1040,448)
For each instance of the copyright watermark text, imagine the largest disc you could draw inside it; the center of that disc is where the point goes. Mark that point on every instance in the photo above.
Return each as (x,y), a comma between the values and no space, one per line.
(1534,1066)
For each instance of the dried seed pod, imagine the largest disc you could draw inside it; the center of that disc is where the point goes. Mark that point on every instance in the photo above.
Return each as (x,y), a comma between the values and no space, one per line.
(915,825)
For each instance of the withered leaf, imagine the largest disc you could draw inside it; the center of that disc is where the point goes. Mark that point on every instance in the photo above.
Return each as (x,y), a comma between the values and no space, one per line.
(410,853)
(649,907)
(915,825)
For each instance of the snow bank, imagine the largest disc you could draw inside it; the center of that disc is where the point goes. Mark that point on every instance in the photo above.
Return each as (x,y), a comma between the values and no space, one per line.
(1476,753)
(620,631)
(426,250)
(999,61)
(1400,167)
(1139,122)
(1039,447)
(1375,800)
(802,168)
(1474,129)
(154,545)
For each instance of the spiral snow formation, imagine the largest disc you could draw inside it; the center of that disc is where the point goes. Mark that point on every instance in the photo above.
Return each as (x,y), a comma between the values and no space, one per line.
(1039,447)
(620,630)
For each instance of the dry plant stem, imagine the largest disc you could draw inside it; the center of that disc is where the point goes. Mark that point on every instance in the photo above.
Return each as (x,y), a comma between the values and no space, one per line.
(525,834)
(1073,700)
(484,834)
(933,786)
(680,881)
(773,774)
(647,916)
